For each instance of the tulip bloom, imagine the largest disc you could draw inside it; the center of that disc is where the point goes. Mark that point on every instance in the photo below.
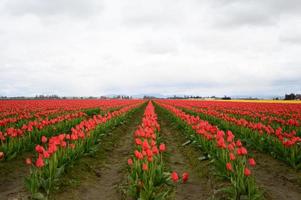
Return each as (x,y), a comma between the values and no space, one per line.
(130,162)
(144,167)
(44,139)
(185,177)
(162,147)
(247,172)
(138,155)
(252,162)
(232,156)
(40,162)
(238,143)
(145,145)
(39,149)
(1,155)
(229,166)
(174,177)
(138,141)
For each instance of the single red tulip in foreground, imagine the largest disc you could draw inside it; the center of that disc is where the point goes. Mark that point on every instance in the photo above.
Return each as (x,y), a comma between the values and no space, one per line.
(44,139)
(247,172)
(162,147)
(185,177)
(229,167)
(130,162)
(40,162)
(174,177)
(144,167)
(252,162)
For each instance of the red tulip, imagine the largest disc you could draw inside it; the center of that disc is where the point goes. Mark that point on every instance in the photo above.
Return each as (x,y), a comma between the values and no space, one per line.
(40,149)
(1,155)
(238,143)
(174,177)
(149,153)
(138,141)
(40,162)
(138,155)
(162,147)
(232,156)
(144,167)
(145,145)
(229,166)
(247,172)
(252,162)
(46,154)
(44,139)
(155,150)
(242,151)
(185,177)
(130,162)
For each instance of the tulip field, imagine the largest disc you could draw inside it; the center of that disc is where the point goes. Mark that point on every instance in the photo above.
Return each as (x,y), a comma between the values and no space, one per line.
(149,149)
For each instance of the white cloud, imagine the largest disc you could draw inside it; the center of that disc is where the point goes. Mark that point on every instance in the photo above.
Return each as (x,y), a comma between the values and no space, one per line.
(171,47)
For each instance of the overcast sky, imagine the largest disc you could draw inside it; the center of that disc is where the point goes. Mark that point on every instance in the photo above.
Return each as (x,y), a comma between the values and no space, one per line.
(200,47)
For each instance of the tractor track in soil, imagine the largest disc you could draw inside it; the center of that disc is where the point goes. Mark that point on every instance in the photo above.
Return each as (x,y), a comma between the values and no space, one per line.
(201,184)
(278,180)
(100,177)
(12,175)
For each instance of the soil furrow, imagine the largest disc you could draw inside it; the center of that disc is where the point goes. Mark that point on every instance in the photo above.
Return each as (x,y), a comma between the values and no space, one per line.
(277,179)
(99,177)
(201,184)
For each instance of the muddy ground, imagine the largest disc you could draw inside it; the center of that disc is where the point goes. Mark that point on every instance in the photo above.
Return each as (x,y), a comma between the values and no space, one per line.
(278,180)
(202,183)
(99,177)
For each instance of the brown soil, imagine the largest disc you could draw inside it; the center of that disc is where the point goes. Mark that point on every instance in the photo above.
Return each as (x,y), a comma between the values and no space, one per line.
(277,179)
(202,184)
(12,175)
(99,177)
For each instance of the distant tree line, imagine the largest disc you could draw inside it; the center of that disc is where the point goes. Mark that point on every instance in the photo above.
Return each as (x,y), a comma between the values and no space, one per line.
(54,96)
(292,96)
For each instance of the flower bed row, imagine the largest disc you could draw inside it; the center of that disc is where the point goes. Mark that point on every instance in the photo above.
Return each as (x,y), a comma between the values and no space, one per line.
(280,144)
(17,140)
(59,151)
(147,179)
(230,156)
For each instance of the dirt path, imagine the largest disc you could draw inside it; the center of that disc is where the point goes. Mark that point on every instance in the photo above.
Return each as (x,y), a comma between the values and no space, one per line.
(277,179)
(12,175)
(99,177)
(201,184)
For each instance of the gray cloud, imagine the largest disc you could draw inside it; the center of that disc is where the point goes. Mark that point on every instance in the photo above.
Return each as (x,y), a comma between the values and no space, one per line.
(206,47)
(74,8)
(253,13)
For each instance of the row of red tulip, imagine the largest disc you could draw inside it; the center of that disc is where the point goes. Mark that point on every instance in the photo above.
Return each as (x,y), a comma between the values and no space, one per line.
(279,110)
(232,158)
(147,178)
(58,151)
(282,145)
(287,138)
(14,111)
(27,116)
(14,140)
